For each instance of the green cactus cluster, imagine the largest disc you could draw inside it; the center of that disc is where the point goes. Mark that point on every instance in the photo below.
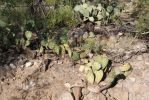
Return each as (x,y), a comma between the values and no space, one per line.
(96,13)
(96,68)
(26,40)
(60,45)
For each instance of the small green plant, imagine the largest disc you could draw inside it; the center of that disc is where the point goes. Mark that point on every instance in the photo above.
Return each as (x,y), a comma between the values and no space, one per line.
(28,36)
(7,35)
(24,40)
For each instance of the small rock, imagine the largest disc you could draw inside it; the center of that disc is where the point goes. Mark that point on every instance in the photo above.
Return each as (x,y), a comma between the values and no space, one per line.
(65,96)
(67,85)
(28,64)
(85,35)
(25,87)
(59,62)
(12,66)
(120,34)
(22,66)
(29,85)
(14,78)
(90,55)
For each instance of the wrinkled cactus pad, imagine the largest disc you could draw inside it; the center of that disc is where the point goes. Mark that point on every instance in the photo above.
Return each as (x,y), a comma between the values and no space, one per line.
(90,77)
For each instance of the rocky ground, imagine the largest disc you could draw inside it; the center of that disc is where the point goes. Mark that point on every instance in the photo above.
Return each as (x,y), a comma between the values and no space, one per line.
(56,78)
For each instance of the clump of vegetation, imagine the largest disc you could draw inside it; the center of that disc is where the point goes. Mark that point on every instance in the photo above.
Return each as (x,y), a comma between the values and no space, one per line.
(98,67)
(60,45)
(99,13)
(143,16)
(17,17)
(63,15)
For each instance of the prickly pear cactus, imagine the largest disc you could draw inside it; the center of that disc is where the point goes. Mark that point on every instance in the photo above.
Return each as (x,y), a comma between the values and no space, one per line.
(95,68)
(98,12)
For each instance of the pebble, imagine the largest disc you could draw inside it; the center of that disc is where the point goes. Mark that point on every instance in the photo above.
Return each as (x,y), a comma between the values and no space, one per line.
(12,66)
(28,64)
(120,34)
(29,85)
(67,85)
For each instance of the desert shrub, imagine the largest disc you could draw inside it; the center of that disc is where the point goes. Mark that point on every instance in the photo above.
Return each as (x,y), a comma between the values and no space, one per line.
(143,16)
(63,15)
